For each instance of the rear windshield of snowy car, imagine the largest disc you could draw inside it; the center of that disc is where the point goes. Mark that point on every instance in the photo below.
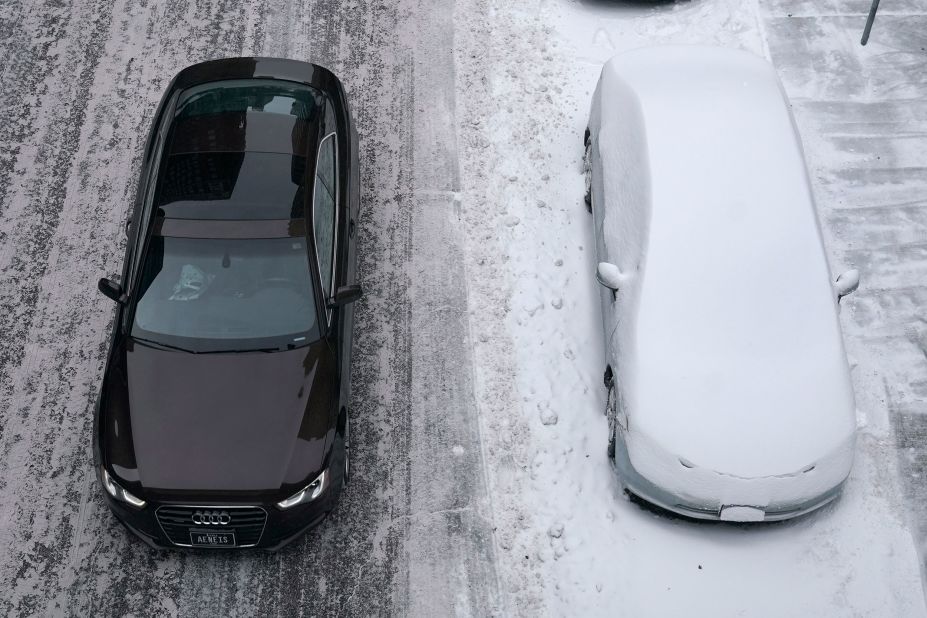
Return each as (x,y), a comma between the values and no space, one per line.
(223,295)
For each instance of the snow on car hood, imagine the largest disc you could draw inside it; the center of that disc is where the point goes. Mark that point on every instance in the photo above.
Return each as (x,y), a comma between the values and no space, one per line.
(763,413)
(695,484)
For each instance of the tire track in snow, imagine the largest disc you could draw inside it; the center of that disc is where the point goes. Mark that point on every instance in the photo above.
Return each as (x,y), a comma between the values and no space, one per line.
(77,190)
(42,138)
(21,54)
(31,220)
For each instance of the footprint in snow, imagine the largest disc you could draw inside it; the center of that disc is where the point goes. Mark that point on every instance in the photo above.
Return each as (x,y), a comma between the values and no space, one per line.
(548,416)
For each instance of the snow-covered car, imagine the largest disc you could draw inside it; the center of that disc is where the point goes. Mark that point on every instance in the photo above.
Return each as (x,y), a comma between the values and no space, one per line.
(729,393)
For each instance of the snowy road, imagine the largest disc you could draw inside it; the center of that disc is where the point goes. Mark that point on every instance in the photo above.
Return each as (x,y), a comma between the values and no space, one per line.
(81,80)
(574,545)
(480,483)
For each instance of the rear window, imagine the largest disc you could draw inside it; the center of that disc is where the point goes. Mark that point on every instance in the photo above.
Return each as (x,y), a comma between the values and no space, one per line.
(250,95)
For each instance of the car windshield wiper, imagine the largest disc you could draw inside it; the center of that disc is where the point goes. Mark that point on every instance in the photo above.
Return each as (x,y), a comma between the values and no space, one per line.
(163,346)
(243,351)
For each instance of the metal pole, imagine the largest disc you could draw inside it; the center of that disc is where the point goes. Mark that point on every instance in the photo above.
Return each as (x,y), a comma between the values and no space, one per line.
(872,12)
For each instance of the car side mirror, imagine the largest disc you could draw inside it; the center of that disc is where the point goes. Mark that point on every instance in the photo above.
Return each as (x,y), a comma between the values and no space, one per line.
(846,283)
(346,294)
(609,275)
(112,290)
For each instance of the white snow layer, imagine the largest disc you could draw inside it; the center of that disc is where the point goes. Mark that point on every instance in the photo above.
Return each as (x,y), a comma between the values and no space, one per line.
(569,542)
(732,327)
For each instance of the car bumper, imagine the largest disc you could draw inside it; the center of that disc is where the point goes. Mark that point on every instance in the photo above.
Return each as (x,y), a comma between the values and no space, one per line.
(280,527)
(740,501)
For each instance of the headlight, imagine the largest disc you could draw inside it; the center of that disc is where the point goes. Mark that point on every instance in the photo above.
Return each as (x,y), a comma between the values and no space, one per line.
(308,493)
(119,493)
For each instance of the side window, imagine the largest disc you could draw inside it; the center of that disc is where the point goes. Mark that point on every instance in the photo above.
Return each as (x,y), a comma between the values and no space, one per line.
(324,214)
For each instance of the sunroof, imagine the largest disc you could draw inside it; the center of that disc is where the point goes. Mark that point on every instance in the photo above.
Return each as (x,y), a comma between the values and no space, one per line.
(236,132)
(232,185)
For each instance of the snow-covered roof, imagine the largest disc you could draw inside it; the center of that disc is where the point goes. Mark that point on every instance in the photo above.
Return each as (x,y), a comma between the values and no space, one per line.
(738,356)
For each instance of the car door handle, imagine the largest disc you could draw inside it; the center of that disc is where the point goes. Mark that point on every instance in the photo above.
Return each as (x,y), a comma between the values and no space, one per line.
(351,228)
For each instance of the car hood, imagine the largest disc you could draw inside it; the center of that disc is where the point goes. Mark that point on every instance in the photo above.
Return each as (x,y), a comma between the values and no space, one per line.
(750,416)
(219,422)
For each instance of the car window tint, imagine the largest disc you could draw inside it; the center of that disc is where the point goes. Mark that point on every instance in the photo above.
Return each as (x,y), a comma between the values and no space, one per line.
(245,96)
(232,185)
(206,294)
(323,212)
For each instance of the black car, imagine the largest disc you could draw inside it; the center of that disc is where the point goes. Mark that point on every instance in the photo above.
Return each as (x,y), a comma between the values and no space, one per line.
(223,413)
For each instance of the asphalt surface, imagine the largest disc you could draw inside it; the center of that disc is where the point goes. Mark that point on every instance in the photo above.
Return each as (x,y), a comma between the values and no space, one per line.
(413,534)
(81,79)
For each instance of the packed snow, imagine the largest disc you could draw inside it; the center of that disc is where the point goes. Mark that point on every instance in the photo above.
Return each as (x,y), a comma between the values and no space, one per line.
(729,348)
(570,543)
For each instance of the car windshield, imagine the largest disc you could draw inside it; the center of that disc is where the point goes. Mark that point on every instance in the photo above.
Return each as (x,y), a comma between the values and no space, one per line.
(223,295)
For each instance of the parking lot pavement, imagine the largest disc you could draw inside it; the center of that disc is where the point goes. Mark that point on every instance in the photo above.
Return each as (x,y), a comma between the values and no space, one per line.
(863,117)
(82,78)
(479,483)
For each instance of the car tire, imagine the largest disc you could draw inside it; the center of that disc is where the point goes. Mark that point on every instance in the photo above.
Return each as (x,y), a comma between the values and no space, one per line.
(339,467)
(610,414)
(587,175)
(347,449)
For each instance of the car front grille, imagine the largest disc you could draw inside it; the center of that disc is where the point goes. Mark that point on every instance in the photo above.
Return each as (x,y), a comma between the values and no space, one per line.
(246,522)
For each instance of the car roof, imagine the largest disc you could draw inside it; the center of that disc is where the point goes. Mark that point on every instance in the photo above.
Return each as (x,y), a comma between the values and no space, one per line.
(738,356)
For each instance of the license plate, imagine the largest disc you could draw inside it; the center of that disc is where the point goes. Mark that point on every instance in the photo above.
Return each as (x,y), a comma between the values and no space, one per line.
(210,538)
(742,513)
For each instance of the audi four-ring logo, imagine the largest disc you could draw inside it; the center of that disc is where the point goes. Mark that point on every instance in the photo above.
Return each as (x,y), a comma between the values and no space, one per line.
(211,518)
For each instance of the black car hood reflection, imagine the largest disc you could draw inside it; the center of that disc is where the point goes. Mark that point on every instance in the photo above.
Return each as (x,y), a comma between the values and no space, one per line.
(228,422)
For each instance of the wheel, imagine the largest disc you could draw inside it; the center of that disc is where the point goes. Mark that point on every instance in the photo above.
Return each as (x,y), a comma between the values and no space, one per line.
(347,450)
(339,466)
(587,172)
(611,405)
